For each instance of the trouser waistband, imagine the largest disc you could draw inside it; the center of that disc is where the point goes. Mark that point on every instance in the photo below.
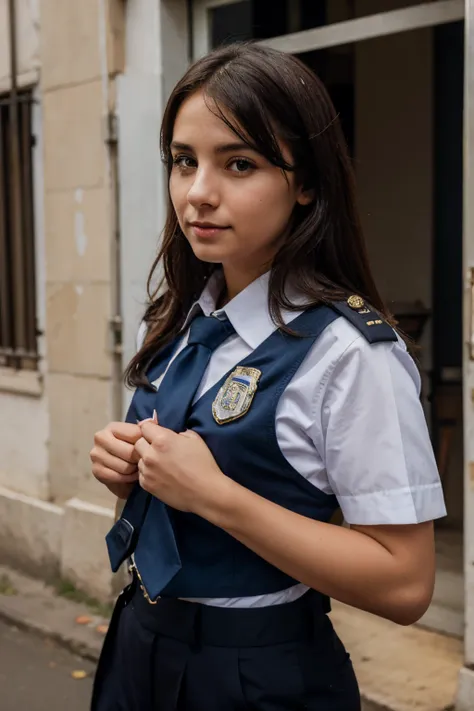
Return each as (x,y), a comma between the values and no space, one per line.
(204,625)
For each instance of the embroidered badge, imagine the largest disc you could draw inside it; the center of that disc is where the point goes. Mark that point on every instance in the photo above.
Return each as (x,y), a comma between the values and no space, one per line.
(235,397)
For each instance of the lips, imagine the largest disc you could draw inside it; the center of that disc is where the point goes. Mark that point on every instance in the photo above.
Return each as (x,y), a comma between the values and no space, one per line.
(207,226)
(207,230)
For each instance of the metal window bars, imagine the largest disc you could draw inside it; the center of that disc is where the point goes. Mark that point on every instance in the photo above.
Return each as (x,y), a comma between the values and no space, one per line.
(18,332)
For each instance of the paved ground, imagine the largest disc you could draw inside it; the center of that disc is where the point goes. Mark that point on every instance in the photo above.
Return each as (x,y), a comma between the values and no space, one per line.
(36,674)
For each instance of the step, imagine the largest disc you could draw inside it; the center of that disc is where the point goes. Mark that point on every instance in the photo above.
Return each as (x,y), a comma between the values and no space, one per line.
(399,668)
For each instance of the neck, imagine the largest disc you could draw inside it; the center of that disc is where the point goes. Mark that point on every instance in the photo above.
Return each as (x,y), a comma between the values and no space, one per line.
(236,281)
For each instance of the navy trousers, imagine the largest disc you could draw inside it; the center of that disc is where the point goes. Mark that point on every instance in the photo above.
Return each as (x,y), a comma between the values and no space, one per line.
(181,656)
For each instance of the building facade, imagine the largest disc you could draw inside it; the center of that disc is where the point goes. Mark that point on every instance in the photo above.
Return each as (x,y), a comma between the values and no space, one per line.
(66,57)
(82,200)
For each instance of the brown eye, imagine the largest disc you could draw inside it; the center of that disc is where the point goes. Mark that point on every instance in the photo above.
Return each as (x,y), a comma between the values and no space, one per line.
(241,165)
(184,162)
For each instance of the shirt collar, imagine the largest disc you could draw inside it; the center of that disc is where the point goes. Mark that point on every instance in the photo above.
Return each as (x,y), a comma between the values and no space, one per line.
(248,311)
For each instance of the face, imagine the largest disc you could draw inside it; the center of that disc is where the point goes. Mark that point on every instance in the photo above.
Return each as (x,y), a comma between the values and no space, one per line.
(231,203)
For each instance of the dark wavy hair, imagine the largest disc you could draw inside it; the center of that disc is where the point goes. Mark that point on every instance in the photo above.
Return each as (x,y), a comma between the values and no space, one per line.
(266,97)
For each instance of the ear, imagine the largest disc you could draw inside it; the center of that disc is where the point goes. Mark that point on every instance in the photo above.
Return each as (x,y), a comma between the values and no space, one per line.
(305,197)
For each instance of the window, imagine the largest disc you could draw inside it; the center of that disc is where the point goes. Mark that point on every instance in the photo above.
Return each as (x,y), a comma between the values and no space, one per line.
(217,22)
(18,334)
(234,20)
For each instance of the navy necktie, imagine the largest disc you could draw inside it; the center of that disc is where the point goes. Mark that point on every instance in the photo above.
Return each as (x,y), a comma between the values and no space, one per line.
(156,554)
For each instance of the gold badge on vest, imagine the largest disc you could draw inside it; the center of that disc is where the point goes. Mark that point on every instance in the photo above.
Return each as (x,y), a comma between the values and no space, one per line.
(235,397)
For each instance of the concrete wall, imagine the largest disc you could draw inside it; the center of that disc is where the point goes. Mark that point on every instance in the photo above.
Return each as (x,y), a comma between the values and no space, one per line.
(77,97)
(24,421)
(53,515)
(27,42)
(24,430)
(156,49)
(23,405)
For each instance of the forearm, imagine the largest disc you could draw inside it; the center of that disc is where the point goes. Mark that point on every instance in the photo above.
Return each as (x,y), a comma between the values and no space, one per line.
(342,563)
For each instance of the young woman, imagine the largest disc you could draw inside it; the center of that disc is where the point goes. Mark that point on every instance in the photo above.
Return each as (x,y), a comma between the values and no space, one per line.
(270,391)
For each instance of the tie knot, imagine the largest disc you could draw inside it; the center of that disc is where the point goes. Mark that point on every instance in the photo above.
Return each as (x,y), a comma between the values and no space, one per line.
(209,331)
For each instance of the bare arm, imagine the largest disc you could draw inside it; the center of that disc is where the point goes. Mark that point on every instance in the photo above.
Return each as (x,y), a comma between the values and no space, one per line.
(386,570)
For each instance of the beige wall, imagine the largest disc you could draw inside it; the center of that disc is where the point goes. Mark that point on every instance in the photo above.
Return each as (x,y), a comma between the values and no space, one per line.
(77,96)
(53,515)
(24,428)
(24,422)
(156,50)
(27,42)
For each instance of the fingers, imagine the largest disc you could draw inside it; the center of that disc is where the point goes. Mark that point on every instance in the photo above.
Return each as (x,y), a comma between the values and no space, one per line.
(114,459)
(191,434)
(144,480)
(124,431)
(108,476)
(153,418)
(106,440)
(141,448)
(151,431)
(109,461)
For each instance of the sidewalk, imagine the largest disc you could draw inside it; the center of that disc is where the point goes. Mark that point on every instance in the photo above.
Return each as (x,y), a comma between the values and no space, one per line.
(36,674)
(399,668)
(31,605)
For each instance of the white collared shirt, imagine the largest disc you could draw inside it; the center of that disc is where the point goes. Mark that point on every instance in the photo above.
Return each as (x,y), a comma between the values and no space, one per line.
(350,421)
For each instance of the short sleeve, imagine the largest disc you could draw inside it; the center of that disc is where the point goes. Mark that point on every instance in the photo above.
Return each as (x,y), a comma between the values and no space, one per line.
(374,438)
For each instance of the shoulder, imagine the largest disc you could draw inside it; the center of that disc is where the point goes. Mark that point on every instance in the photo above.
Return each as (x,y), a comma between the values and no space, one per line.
(364,340)
(366,320)
(344,356)
(354,357)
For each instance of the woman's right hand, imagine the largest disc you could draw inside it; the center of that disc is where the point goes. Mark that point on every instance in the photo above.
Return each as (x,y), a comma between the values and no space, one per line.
(114,460)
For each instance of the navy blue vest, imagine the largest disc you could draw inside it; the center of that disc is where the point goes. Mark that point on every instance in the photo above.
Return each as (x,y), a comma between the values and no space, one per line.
(214,564)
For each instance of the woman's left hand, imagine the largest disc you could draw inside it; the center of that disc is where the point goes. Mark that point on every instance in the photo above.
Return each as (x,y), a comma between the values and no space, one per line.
(178,469)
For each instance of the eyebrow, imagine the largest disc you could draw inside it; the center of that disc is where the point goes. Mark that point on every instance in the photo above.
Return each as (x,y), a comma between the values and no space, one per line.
(221,148)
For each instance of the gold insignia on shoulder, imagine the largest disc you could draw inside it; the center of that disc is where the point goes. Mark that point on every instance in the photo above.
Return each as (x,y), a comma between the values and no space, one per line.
(355,302)
(235,397)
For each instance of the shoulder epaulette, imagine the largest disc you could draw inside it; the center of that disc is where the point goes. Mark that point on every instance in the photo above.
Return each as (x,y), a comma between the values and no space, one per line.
(372,326)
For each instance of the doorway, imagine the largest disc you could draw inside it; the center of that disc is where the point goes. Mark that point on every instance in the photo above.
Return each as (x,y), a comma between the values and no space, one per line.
(396,79)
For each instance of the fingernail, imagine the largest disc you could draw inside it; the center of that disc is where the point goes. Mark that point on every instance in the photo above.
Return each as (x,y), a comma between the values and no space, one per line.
(155,416)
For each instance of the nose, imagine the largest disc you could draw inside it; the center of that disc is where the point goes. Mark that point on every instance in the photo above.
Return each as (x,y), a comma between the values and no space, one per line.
(204,190)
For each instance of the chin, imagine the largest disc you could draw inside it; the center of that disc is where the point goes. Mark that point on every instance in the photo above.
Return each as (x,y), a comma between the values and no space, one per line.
(209,253)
